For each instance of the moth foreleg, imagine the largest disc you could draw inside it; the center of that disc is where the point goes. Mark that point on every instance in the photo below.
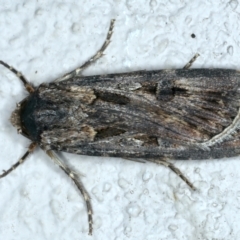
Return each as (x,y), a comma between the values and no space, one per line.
(189,64)
(175,170)
(27,85)
(95,57)
(79,185)
(31,148)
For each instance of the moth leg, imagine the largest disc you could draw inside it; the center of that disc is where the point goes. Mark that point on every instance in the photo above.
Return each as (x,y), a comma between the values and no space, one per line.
(31,148)
(175,170)
(189,64)
(79,185)
(136,160)
(94,58)
(27,85)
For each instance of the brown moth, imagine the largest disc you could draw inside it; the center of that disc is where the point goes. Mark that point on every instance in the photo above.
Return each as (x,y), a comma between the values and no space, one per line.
(152,115)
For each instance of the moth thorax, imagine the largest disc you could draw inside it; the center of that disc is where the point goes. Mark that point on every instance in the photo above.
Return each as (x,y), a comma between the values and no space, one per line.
(15,118)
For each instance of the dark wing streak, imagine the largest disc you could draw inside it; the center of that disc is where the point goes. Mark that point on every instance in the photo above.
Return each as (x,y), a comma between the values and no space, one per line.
(140,124)
(206,119)
(131,113)
(223,109)
(208,114)
(183,109)
(159,113)
(194,115)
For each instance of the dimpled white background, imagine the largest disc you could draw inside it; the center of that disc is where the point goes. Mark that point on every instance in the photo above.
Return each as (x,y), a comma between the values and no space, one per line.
(45,39)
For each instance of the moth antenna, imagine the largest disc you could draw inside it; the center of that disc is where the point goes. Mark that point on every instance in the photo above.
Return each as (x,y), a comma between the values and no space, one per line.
(189,64)
(31,148)
(79,185)
(27,85)
(94,58)
(175,170)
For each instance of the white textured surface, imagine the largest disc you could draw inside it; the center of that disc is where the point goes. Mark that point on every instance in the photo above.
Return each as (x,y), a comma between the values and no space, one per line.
(45,39)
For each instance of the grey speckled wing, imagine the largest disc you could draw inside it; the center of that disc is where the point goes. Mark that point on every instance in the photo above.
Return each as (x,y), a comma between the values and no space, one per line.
(170,114)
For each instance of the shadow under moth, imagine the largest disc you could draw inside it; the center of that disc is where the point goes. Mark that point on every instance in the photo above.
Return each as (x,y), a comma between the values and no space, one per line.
(152,115)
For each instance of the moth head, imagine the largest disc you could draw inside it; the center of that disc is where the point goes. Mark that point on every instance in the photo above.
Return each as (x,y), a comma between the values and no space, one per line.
(23,117)
(15,118)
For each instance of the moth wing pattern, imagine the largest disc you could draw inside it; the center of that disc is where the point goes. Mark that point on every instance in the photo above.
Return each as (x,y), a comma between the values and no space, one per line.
(166,114)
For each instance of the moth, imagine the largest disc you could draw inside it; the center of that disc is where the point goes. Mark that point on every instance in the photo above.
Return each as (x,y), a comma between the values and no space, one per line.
(145,115)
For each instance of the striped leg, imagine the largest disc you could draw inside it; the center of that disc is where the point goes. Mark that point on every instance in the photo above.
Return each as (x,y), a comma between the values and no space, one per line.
(175,170)
(31,148)
(189,64)
(94,58)
(79,185)
(27,85)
